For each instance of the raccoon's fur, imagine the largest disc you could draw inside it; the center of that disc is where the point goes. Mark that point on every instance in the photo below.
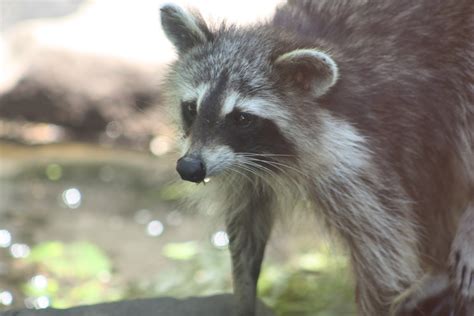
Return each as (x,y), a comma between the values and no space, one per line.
(363,108)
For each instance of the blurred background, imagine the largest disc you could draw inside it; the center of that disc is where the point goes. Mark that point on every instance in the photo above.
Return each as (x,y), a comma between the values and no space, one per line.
(89,200)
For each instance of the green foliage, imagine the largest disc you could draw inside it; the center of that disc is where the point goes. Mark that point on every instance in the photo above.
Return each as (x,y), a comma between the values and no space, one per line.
(175,191)
(196,270)
(312,283)
(54,171)
(75,273)
(79,260)
(181,251)
(315,283)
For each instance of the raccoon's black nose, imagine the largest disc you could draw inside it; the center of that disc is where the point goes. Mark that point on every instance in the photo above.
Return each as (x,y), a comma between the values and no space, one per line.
(191,169)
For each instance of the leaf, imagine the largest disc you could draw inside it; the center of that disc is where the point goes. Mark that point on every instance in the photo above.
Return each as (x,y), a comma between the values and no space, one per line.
(181,251)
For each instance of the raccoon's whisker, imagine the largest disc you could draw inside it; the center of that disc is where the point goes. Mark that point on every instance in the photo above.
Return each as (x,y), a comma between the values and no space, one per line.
(278,165)
(274,176)
(250,169)
(268,170)
(263,155)
(241,165)
(280,179)
(253,171)
(258,167)
(236,170)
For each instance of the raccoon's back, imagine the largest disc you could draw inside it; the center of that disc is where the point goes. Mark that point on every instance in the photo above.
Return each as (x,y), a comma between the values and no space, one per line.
(406,78)
(420,23)
(390,39)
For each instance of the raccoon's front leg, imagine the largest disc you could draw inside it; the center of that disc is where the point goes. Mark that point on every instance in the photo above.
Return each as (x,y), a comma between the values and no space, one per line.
(462,256)
(248,228)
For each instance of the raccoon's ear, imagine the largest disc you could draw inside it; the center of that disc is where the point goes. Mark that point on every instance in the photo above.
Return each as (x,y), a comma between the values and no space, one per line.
(184,29)
(308,69)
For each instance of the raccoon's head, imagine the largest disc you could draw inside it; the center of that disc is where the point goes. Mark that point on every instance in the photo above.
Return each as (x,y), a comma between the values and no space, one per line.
(230,88)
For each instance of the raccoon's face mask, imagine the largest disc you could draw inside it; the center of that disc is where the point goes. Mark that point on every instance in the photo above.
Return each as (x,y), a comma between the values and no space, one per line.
(231,138)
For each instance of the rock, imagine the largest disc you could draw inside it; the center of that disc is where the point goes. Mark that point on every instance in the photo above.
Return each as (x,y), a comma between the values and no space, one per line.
(92,98)
(217,305)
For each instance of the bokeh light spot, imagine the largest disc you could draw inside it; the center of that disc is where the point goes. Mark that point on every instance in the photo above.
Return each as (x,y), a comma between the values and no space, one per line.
(42,302)
(6,298)
(20,250)
(114,129)
(154,228)
(72,198)
(220,239)
(39,281)
(160,145)
(5,238)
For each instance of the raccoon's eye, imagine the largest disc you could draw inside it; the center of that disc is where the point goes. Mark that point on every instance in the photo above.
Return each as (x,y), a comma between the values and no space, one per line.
(189,107)
(243,119)
(189,112)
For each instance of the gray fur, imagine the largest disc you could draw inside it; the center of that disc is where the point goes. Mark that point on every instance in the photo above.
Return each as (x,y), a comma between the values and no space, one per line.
(385,153)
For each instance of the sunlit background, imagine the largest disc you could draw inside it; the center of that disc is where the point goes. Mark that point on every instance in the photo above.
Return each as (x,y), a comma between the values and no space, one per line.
(89,201)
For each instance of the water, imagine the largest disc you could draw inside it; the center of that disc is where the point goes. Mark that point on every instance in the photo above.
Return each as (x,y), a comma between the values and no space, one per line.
(115,199)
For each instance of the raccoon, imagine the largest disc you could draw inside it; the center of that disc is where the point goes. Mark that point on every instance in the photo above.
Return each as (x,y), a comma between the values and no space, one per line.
(364,109)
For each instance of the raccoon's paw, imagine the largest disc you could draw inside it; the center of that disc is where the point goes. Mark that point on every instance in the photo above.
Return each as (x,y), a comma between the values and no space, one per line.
(462,266)
(429,296)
